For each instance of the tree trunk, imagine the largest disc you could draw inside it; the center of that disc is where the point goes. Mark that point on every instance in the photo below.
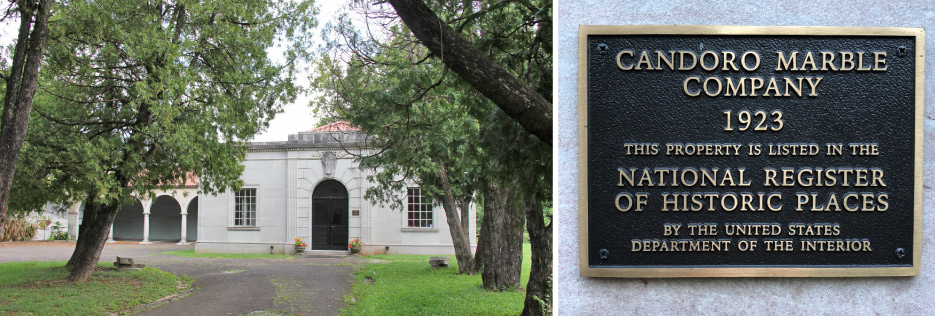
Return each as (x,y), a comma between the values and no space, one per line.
(465,206)
(94,230)
(99,217)
(21,88)
(483,240)
(539,289)
(459,237)
(503,257)
(517,100)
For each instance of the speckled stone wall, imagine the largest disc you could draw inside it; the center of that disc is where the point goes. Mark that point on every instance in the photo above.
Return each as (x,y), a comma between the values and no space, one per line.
(744,296)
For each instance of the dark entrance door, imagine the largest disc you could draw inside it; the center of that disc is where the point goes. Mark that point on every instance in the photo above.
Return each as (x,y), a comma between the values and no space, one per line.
(329,216)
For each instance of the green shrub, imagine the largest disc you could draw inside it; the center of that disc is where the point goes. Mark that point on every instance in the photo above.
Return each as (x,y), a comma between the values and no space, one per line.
(58,234)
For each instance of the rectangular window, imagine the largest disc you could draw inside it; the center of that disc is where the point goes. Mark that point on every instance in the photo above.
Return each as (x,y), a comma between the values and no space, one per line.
(245,208)
(419,209)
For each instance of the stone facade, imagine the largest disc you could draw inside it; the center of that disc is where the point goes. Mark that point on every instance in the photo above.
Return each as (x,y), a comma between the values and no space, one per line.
(578,295)
(172,215)
(282,178)
(285,176)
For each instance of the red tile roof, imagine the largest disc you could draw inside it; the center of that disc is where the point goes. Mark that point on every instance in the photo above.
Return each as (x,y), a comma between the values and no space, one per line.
(339,126)
(191,180)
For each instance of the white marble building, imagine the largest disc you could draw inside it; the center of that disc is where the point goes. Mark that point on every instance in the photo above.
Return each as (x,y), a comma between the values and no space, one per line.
(307,187)
(172,215)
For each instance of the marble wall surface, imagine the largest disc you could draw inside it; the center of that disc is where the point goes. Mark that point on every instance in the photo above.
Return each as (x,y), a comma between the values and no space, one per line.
(756,296)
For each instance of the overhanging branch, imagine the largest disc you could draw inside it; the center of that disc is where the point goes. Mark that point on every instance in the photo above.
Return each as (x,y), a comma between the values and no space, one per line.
(515,98)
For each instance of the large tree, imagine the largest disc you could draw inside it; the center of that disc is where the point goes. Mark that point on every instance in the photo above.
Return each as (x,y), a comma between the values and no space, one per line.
(430,119)
(20,83)
(527,102)
(138,96)
(416,142)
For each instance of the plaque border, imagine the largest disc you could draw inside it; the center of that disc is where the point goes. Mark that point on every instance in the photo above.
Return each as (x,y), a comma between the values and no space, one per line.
(727,271)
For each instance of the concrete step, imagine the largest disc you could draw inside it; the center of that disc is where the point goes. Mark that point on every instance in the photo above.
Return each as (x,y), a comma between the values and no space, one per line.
(326,253)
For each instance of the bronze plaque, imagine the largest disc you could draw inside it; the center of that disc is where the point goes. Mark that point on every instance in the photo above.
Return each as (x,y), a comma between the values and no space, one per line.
(729,151)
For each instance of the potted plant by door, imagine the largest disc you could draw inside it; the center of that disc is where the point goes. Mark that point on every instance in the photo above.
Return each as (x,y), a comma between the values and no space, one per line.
(299,245)
(355,245)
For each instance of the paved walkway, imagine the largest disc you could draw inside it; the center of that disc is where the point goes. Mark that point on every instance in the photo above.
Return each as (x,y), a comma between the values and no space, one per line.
(301,286)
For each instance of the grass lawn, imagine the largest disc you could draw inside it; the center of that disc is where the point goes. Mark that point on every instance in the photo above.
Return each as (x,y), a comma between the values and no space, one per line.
(191,253)
(407,285)
(36,288)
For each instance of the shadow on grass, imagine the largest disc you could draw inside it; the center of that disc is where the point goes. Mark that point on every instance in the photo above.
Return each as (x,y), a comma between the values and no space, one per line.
(37,288)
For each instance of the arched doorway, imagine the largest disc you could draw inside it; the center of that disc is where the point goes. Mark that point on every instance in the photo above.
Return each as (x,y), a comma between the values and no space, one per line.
(191,232)
(329,216)
(128,225)
(165,218)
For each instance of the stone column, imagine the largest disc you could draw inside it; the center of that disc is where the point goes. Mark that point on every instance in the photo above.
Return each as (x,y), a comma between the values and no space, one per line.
(184,227)
(292,178)
(146,207)
(110,235)
(366,225)
(73,220)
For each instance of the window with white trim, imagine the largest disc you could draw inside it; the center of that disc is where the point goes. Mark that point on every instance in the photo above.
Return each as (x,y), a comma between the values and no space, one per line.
(419,210)
(245,208)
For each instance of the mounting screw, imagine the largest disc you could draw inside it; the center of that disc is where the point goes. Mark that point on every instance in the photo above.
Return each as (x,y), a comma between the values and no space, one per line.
(602,48)
(604,253)
(901,51)
(900,253)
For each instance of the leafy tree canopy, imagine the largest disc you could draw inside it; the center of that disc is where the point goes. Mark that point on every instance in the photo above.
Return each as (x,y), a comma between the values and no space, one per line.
(138,96)
(374,73)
